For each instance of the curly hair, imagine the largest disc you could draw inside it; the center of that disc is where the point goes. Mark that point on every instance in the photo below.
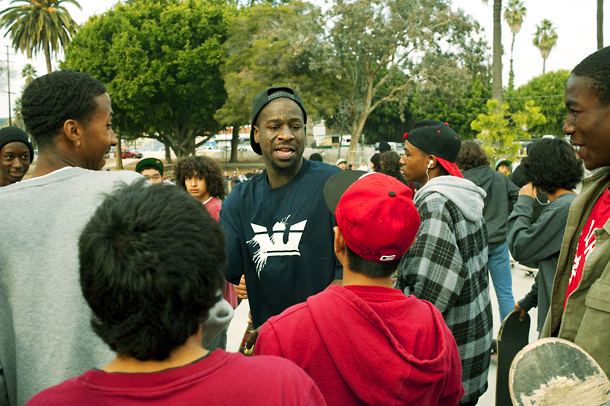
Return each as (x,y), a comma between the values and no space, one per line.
(202,166)
(597,67)
(50,100)
(471,155)
(551,164)
(390,161)
(151,266)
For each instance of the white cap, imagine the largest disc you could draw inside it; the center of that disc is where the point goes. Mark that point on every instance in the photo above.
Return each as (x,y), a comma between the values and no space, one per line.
(341,160)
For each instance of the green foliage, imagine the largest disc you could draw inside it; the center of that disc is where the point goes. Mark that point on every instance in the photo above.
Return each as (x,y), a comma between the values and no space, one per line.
(268,46)
(36,25)
(499,129)
(160,62)
(548,92)
(381,51)
(456,108)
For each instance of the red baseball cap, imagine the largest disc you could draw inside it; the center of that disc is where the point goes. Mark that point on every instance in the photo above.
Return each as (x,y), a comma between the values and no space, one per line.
(375,213)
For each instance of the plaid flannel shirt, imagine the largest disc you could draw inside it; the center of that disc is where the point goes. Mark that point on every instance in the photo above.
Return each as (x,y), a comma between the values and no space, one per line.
(447,266)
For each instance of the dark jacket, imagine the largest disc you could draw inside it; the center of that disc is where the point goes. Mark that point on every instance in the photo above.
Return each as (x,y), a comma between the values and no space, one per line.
(502,194)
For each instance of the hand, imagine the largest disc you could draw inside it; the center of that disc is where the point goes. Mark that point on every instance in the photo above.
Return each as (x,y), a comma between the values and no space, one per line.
(528,190)
(240,290)
(523,312)
(252,340)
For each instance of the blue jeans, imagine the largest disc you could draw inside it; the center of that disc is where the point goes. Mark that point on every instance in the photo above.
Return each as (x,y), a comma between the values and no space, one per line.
(499,269)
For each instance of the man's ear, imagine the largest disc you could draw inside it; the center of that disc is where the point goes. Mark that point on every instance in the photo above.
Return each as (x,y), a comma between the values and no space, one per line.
(73,132)
(339,242)
(255,128)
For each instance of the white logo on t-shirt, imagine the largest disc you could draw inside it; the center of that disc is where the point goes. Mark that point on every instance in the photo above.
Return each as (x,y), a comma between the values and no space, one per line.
(273,245)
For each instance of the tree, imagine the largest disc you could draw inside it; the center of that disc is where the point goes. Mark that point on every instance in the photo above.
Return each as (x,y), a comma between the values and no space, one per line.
(413,44)
(39,24)
(160,62)
(498,51)
(513,14)
(269,46)
(545,39)
(499,130)
(600,24)
(28,72)
(458,108)
(548,91)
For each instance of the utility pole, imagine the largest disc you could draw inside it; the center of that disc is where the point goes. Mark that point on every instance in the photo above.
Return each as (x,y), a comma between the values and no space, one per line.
(8,74)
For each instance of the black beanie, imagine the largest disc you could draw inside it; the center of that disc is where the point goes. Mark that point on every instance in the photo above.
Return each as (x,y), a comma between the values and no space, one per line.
(12,134)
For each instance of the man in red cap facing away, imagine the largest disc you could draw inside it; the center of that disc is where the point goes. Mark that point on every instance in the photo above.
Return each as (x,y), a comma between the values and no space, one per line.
(366,343)
(447,265)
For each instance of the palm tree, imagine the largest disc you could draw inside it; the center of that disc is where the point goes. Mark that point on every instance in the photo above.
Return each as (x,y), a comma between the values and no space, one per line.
(496,65)
(545,39)
(513,14)
(28,72)
(39,25)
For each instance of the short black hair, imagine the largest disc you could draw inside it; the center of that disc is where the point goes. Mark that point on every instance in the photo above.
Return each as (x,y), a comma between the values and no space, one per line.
(151,266)
(146,167)
(390,161)
(597,67)
(368,268)
(50,100)
(376,160)
(203,166)
(471,155)
(551,164)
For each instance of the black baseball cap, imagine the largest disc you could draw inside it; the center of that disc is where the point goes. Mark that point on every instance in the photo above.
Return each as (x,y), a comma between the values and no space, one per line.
(263,98)
(438,139)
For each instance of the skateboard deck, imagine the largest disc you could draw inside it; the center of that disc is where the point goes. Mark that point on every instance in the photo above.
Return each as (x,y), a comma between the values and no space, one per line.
(554,371)
(512,337)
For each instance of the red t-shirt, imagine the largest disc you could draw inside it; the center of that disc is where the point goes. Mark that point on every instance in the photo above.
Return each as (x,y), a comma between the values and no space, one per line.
(599,216)
(219,379)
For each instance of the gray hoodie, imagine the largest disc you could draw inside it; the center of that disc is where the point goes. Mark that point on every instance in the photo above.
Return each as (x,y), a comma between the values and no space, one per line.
(460,192)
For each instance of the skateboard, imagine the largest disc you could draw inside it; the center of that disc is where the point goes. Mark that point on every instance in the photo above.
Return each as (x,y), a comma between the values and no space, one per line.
(554,371)
(512,337)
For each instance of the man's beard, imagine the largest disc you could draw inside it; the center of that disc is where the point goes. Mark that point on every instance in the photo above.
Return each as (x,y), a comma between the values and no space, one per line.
(286,170)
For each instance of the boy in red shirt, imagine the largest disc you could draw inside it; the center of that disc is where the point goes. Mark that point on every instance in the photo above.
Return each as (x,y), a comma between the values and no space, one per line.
(151,269)
(365,342)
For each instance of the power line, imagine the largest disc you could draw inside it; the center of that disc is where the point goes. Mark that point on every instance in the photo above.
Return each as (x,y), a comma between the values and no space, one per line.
(485,98)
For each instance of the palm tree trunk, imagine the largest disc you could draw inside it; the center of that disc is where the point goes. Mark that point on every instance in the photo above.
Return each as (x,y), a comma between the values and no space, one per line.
(47,53)
(511,74)
(600,24)
(496,89)
(543,66)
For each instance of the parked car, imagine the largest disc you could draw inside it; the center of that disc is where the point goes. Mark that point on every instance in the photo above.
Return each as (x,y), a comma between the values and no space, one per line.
(129,154)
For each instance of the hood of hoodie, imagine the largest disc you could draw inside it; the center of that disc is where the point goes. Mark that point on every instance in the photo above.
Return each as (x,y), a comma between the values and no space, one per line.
(467,196)
(406,355)
(481,176)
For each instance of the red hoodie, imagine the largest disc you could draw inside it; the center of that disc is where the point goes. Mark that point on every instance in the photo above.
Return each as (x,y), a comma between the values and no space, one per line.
(368,345)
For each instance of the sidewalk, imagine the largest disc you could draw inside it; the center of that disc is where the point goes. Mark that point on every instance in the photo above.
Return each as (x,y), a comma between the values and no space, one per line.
(521,286)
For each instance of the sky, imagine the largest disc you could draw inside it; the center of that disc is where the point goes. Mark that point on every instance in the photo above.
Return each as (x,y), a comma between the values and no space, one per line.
(575,25)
